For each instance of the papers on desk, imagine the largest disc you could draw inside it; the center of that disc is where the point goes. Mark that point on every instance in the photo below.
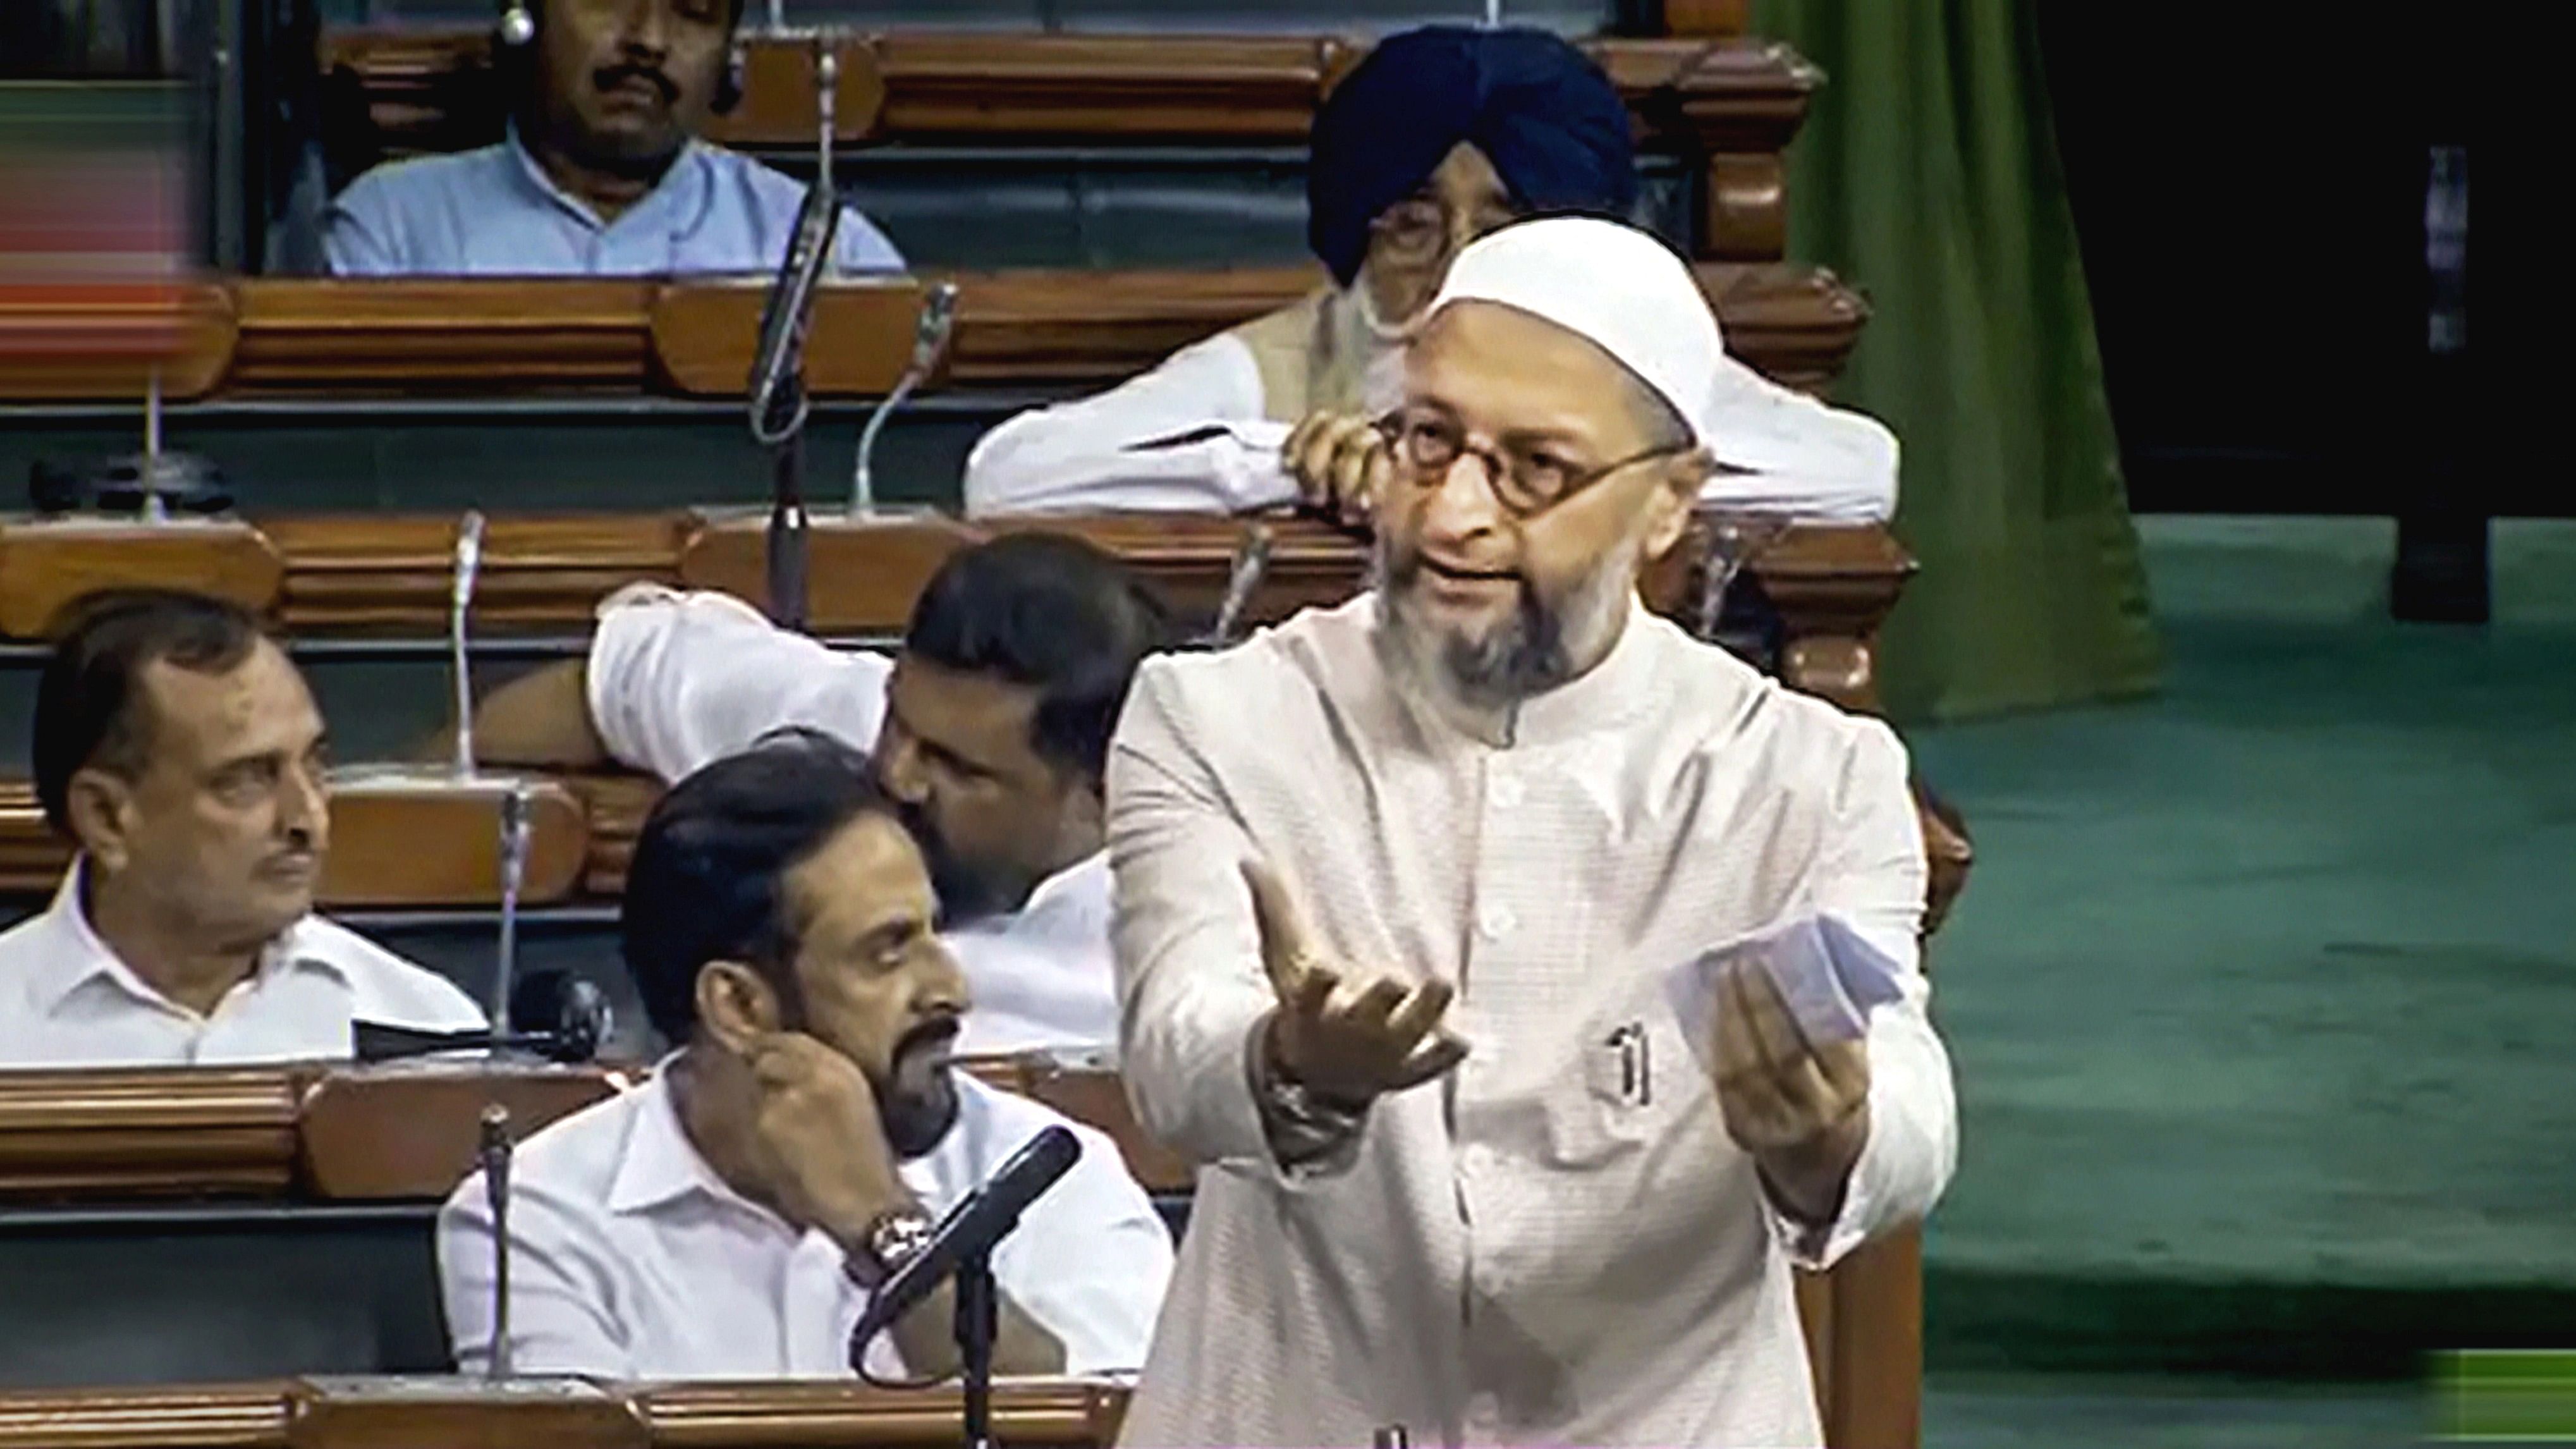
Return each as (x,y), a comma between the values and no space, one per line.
(1829,976)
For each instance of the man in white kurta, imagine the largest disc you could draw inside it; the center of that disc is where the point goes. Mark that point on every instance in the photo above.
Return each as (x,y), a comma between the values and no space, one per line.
(1437,136)
(1560,1240)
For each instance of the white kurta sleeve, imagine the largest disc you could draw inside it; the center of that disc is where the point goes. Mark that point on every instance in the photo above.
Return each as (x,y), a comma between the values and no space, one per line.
(1874,875)
(1091,1261)
(678,680)
(1191,988)
(559,1317)
(1808,458)
(1091,453)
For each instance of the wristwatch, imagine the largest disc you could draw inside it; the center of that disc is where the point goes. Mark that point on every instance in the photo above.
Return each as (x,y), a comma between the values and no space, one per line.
(893,1238)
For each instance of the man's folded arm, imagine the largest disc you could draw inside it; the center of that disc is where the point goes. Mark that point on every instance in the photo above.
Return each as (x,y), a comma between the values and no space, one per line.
(1874,876)
(1117,450)
(675,681)
(1192,993)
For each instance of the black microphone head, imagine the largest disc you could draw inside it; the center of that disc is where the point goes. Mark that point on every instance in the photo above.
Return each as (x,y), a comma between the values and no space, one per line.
(569,1016)
(1056,1147)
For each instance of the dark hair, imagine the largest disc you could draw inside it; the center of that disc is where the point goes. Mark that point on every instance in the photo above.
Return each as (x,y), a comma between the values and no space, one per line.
(1049,611)
(708,878)
(89,709)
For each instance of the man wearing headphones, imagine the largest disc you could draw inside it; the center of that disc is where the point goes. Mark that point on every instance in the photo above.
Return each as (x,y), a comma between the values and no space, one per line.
(602,173)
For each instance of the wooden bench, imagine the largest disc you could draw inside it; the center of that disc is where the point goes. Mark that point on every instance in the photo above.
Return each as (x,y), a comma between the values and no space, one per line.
(1727,105)
(276,338)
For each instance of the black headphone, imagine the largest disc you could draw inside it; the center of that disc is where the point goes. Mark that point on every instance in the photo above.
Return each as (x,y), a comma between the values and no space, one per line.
(518,28)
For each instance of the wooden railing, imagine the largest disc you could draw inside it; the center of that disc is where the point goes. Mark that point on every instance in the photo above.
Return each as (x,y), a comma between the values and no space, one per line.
(1729,105)
(403,1132)
(258,337)
(400,1414)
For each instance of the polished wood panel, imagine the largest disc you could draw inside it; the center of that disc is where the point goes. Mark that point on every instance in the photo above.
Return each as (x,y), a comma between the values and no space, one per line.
(412,1130)
(1707,17)
(447,1413)
(97,344)
(706,333)
(356,574)
(403,91)
(91,1135)
(49,565)
(1099,89)
(323,340)
(1061,1414)
(304,336)
(309,1131)
(422,838)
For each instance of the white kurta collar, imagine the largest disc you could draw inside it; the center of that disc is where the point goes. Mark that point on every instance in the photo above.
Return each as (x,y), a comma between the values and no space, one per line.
(78,956)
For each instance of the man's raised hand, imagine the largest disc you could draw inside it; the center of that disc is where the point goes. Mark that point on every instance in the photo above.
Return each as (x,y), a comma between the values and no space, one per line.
(1344,1039)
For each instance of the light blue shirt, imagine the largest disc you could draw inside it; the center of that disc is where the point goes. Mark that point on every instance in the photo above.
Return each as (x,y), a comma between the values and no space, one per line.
(495,212)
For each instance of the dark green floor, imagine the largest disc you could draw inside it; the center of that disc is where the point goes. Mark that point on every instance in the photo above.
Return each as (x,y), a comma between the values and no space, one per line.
(2263,1001)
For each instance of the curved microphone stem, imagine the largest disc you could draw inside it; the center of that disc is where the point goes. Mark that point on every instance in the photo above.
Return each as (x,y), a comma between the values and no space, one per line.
(516,808)
(930,335)
(469,565)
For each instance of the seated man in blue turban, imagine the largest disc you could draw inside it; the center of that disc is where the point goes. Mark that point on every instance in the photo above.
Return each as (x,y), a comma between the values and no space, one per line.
(1439,136)
(603,173)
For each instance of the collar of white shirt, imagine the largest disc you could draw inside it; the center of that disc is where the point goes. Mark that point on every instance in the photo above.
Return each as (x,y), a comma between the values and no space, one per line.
(74,956)
(1042,975)
(63,954)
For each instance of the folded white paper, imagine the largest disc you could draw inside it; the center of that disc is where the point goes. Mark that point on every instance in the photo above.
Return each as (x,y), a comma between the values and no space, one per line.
(1829,976)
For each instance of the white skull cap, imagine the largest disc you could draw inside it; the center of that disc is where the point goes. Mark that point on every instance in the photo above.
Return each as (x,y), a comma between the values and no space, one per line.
(1617,287)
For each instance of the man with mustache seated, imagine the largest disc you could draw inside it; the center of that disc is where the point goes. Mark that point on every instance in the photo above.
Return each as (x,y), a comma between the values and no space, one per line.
(731,1217)
(602,173)
(183,754)
(989,731)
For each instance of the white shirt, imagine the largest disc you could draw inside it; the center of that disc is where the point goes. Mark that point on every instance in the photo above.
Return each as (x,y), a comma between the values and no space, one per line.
(66,1000)
(1557,1243)
(677,681)
(1807,459)
(631,1259)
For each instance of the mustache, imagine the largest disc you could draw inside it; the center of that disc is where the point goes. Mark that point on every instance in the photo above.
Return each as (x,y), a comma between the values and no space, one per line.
(937,1031)
(608,78)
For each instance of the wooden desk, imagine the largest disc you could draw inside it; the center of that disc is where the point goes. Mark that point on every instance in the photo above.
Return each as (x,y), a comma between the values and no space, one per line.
(1729,104)
(449,1414)
(274,338)
(344,1134)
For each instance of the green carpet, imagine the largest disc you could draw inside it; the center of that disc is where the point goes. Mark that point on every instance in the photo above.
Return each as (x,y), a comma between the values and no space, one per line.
(2263,994)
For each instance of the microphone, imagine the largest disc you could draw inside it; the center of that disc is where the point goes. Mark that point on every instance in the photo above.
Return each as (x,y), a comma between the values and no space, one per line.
(574,1018)
(1251,563)
(516,809)
(969,1231)
(495,1153)
(778,402)
(469,566)
(931,331)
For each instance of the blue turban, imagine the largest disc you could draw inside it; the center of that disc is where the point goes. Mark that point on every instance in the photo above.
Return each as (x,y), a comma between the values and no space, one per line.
(1539,109)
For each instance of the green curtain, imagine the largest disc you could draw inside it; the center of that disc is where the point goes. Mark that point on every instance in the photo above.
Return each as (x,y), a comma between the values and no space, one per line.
(1927,176)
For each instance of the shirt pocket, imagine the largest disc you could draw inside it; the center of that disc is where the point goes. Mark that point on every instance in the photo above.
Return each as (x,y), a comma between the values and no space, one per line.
(1632,1083)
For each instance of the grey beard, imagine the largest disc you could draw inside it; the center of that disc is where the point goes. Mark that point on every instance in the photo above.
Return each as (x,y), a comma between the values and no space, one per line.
(1527,654)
